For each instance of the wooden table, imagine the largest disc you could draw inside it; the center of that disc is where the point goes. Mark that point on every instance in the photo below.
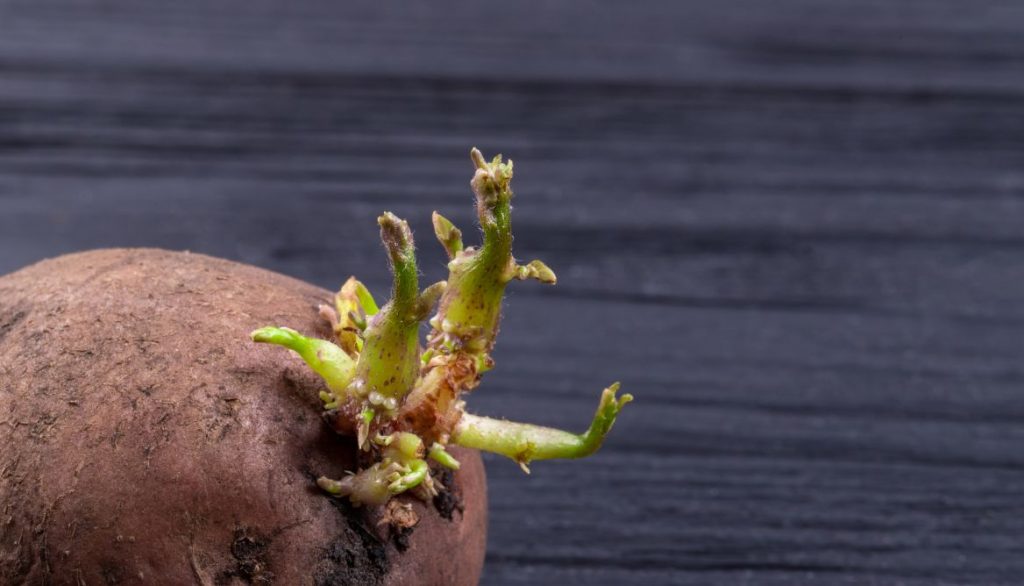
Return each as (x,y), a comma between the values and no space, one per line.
(793,229)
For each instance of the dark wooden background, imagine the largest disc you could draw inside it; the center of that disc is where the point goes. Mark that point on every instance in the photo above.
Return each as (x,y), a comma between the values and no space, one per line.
(793,229)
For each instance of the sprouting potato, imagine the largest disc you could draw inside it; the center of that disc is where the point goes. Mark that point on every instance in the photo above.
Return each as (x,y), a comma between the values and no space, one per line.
(147,439)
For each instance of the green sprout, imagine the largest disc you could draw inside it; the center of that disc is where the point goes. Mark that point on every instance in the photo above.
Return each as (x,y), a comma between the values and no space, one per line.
(398,397)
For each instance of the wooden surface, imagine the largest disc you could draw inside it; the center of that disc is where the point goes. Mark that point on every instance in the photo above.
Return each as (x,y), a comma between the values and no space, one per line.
(792,229)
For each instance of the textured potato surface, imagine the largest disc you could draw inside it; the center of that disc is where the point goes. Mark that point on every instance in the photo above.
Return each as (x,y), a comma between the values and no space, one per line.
(144,439)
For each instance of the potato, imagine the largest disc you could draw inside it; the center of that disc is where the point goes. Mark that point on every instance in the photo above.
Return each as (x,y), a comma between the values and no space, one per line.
(147,440)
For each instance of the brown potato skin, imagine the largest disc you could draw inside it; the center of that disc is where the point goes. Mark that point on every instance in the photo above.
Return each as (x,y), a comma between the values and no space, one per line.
(146,440)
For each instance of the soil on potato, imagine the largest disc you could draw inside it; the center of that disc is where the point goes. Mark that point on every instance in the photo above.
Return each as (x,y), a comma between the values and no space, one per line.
(146,440)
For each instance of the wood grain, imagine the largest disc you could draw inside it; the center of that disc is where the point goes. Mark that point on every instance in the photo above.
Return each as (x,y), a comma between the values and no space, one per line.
(792,229)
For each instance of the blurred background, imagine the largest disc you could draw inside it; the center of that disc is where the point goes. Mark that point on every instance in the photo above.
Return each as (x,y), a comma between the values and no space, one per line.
(792,229)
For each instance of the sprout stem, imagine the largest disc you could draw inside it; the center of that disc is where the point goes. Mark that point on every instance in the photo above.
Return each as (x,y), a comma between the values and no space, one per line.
(471,306)
(389,362)
(353,304)
(326,359)
(524,442)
